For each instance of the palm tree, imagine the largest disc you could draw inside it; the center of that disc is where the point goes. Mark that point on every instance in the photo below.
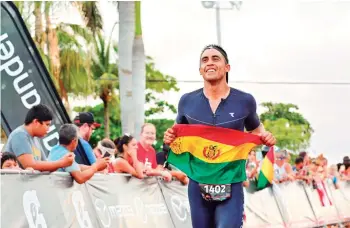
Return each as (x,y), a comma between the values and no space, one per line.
(105,75)
(138,72)
(126,37)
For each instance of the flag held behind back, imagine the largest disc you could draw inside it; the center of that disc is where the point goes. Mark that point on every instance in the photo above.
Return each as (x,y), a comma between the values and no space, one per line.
(211,155)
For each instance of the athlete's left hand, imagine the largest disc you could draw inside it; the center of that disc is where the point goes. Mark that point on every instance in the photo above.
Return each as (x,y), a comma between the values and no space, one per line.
(267,138)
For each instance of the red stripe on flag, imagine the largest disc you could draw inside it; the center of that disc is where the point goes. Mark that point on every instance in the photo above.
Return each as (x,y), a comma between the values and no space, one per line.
(271,155)
(216,134)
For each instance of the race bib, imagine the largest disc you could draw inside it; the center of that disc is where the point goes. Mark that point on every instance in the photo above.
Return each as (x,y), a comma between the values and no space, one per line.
(215,192)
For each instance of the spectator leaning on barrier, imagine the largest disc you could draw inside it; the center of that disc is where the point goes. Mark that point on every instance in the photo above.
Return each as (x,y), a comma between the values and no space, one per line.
(106,149)
(283,170)
(146,153)
(68,141)
(9,161)
(86,123)
(126,160)
(22,141)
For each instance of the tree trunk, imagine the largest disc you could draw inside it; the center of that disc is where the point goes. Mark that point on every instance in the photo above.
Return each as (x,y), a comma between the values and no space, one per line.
(39,35)
(106,117)
(126,37)
(54,58)
(106,98)
(139,73)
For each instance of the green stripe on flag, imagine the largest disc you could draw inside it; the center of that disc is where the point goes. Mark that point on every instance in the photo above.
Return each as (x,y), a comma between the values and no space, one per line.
(209,173)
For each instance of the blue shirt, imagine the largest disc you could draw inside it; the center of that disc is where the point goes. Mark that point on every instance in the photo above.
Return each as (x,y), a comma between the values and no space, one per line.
(237,111)
(57,153)
(88,151)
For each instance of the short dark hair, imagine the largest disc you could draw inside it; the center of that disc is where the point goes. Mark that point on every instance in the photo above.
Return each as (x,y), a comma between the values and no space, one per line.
(40,112)
(8,156)
(302,154)
(299,160)
(123,140)
(219,49)
(67,133)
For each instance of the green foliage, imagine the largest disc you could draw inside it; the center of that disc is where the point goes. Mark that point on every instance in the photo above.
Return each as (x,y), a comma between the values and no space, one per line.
(158,106)
(156,80)
(161,126)
(291,129)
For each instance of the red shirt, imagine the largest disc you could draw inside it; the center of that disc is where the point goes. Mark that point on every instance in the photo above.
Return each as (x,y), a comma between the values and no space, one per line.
(148,155)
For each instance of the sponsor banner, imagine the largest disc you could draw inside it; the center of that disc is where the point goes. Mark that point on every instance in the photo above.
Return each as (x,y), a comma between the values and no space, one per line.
(53,200)
(124,201)
(261,209)
(294,204)
(341,198)
(175,196)
(322,203)
(45,201)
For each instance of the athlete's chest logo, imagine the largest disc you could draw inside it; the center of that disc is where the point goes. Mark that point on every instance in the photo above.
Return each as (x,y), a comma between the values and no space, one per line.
(232,114)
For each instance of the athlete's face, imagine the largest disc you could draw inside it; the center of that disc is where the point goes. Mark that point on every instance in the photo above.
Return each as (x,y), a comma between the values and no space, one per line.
(213,66)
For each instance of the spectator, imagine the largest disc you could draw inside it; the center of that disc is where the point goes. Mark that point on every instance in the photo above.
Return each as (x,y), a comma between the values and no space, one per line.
(126,161)
(106,148)
(299,164)
(146,153)
(346,161)
(86,123)
(251,165)
(334,176)
(23,144)
(9,161)
(68,141)
(306,158)
(176,173)
(283,170)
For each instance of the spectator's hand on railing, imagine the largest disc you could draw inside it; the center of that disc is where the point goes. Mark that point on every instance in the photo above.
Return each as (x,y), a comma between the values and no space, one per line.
(167,176)
(101,163)
(68,160)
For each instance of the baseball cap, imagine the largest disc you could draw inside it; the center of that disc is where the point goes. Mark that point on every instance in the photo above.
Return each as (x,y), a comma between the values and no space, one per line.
(86,117)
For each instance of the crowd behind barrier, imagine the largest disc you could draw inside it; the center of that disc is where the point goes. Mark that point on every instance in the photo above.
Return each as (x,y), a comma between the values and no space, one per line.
(116,200)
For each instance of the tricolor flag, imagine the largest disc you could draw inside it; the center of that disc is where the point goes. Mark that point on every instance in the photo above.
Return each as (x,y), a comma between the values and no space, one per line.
(211,155)
(267,171)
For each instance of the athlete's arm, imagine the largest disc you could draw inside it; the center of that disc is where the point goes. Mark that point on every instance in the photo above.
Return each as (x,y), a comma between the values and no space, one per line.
(169,134)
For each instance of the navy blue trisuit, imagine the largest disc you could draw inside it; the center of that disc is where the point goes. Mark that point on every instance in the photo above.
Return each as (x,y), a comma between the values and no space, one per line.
(238,112)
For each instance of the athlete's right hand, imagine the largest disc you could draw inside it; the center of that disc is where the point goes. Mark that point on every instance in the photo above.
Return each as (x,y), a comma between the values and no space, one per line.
(68,159)
(169,136)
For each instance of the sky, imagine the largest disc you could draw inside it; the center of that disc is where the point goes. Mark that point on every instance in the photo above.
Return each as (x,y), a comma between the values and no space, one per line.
(266,41)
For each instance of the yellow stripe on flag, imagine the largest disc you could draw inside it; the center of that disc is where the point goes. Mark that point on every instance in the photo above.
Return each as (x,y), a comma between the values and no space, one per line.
(210,151)
(267,169)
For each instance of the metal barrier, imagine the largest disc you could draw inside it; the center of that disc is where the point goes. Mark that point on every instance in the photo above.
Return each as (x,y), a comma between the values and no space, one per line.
(34,199)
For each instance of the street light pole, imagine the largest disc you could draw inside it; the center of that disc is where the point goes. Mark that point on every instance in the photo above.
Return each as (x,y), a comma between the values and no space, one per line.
(216,5)
(218,22)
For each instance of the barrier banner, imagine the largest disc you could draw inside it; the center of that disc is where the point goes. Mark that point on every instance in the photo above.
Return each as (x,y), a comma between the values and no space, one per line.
(322,203)
(261,209)
(294,204)
(341,198)
(176,199)
(125,201)
(45,201)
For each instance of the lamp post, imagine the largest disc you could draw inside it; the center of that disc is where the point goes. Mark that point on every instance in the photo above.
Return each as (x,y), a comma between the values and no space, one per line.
(216,5)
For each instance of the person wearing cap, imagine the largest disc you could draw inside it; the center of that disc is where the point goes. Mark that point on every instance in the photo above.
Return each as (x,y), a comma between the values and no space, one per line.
(86,123)
(217,104)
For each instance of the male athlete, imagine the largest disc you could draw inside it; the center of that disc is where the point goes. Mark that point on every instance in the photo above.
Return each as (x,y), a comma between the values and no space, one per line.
(218,105)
